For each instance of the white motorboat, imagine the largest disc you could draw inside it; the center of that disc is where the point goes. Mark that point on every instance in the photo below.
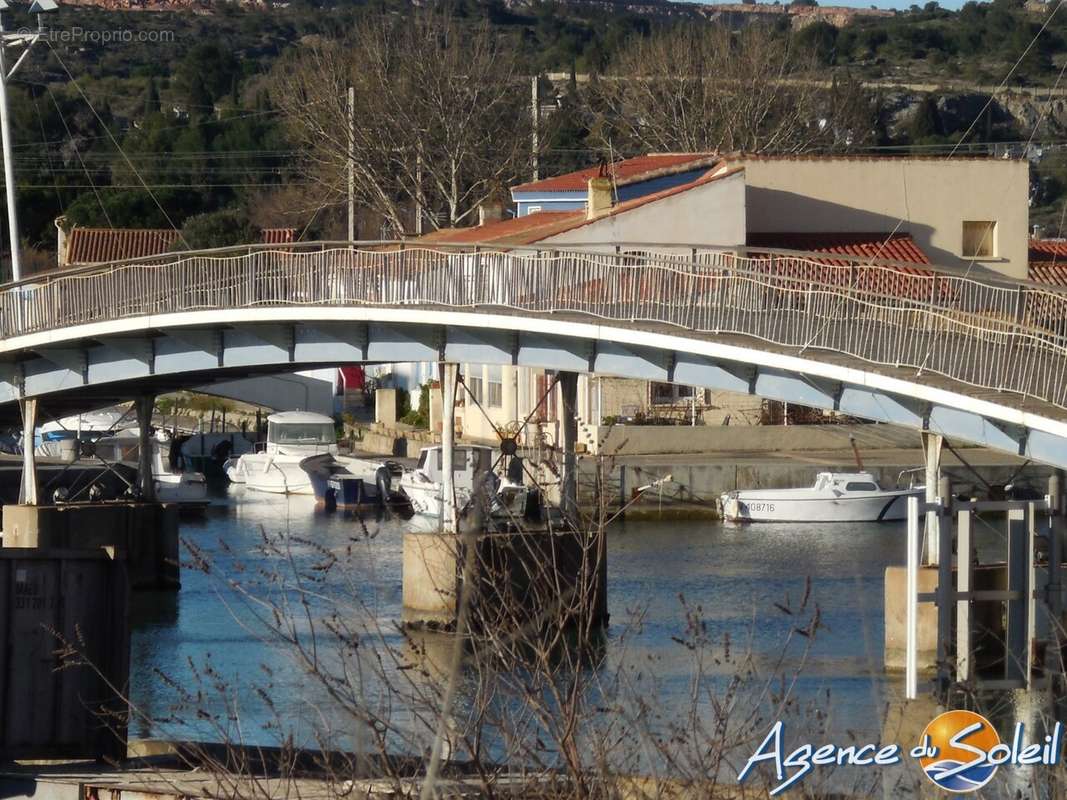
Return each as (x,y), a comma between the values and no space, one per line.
(835,497)
(510,502)
(292,436)
(423,487)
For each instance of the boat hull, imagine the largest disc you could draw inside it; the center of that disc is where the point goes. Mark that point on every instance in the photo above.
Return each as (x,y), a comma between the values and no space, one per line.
(181,488)
(260,472)
(768,507)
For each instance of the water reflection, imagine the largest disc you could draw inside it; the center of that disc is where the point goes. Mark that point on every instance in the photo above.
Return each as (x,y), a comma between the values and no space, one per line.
(751,587)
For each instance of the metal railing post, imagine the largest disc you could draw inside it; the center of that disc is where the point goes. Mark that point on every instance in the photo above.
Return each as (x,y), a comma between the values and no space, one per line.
(945,593)
(964,585)
(911,606)
(1016,658)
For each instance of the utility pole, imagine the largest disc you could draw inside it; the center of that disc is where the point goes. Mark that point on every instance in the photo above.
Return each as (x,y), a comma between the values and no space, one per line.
(351,164)
(535,110)
(25,39)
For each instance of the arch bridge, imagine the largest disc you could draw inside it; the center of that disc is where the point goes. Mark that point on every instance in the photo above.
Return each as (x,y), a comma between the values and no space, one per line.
(975,358)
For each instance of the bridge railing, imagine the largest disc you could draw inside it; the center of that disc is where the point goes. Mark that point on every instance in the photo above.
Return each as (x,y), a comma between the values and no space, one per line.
(997,335)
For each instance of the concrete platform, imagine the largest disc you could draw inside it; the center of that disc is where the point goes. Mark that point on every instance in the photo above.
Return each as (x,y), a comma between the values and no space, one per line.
(147,533)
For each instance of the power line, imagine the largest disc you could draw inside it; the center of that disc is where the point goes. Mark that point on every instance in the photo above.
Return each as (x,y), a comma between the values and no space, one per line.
(159,205)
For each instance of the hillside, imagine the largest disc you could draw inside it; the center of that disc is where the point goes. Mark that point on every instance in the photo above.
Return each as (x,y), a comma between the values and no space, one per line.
(184,88)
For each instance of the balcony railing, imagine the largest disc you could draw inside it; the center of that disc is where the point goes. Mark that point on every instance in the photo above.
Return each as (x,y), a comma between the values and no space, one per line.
(992,334)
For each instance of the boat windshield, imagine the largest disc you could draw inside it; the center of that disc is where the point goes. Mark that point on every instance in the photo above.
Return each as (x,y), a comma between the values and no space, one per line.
(860,486)
(301,433)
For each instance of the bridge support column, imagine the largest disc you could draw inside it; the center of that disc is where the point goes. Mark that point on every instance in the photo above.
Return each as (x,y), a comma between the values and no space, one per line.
(932,446)
(449,376)
(519,581)
(28,490)
(568,385)
(146,403)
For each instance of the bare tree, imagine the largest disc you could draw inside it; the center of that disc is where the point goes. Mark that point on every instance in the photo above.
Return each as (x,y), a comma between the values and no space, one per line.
(440,121)
(704,89)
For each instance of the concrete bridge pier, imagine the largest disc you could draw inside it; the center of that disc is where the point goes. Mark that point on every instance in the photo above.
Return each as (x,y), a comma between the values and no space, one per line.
(568,385)
(145,532)
(146,404)
(449,377)
(512,579)
(28,489)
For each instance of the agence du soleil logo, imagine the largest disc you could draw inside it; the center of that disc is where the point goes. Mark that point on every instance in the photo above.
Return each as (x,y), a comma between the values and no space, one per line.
(958,747)
(959,751)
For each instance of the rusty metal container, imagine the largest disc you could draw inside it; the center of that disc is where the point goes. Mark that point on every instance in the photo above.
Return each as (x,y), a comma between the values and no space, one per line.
(52,707)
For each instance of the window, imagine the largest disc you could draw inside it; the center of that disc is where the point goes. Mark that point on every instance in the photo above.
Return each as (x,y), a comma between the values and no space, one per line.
(860,486)
(301,433)
(495,385)
(670,393)
(532,209)
(980,239)
(474,382)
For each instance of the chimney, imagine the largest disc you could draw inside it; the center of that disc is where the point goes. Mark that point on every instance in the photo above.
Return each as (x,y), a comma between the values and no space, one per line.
(599,199)
(490,212)
(61,241)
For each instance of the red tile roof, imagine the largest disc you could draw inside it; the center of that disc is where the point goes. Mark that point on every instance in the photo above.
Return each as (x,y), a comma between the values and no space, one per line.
(279,235)
(624,172)
(1048,261)
(541,225)
(95,245)
(517,230)
(876,246)
(894,281)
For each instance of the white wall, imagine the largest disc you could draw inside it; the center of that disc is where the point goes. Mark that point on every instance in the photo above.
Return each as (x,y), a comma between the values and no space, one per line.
(710,214)
(290,392)
(928,198)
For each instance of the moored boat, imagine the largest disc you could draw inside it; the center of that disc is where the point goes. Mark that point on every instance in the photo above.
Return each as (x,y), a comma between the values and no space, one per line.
(292,436)
(349,482)
(835,497)
(422,485)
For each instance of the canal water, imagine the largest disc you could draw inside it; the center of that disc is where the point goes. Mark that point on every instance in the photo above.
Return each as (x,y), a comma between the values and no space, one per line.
(752,585)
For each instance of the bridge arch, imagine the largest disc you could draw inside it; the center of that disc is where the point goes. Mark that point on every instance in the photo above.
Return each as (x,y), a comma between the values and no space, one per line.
(712,320)
(108,361)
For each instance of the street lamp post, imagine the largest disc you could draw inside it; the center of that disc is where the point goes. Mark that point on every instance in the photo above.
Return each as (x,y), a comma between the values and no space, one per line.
(26,40)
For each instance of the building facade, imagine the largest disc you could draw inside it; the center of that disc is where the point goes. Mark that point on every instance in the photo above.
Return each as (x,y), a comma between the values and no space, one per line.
(969,213)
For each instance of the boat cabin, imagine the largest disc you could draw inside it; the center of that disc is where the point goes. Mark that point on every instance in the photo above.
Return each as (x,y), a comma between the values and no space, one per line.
(468,462)
(300,433)
(842,482)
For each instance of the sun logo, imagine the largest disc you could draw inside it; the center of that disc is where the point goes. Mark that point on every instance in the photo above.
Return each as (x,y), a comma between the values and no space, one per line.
(957,745)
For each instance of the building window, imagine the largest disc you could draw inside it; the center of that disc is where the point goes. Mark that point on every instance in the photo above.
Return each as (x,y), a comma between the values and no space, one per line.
(532,209)
(473,380)
(495,386)
(980,239)
(669,393)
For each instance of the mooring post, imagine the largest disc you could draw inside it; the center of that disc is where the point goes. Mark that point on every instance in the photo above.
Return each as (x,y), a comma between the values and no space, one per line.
(28,487)
(932,443)
(146,404)
(911,605)
(1055,545)
(945,605)
(568,384)
(964,583)
(1054,588)
(449,375)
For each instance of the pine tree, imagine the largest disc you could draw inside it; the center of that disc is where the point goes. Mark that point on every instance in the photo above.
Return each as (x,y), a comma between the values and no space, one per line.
(151,102)
(926,122)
